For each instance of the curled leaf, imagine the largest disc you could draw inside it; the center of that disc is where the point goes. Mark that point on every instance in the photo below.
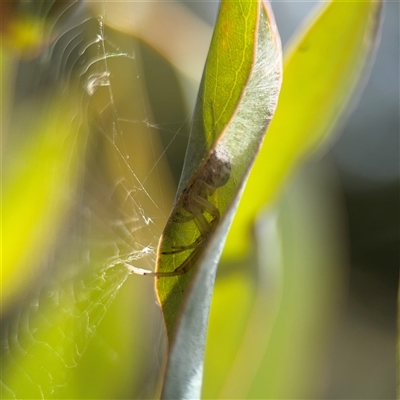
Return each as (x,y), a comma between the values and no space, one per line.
(237,99)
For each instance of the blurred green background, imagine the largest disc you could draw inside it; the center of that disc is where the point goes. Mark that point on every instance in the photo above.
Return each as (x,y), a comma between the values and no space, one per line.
(96,105)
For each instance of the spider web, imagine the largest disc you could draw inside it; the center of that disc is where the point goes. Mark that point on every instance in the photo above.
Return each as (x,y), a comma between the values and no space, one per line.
(123,200)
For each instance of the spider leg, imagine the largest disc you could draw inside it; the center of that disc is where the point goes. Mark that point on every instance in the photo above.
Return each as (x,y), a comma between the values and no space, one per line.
(204,227)
(200,220)
(180,249)
(182,269)
(210,208)
(189,262)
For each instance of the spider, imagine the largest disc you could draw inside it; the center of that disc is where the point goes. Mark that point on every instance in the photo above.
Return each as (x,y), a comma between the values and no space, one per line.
(214,174)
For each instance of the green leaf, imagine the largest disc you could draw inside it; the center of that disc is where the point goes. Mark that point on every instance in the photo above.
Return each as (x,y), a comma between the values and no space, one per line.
(227,129)
(236,102)
(322,70)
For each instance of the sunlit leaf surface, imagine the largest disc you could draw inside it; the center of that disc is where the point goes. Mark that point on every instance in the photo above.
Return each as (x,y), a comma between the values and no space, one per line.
(321,70)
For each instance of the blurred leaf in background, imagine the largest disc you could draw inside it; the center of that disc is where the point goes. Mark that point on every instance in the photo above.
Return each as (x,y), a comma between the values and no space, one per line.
(85,188)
